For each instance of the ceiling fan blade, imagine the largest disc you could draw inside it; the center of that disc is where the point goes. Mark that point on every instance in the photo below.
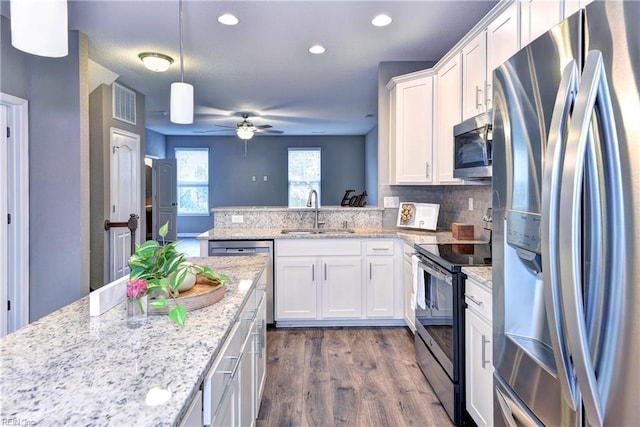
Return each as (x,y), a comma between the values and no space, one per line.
(271,131)
(228,127)
(263,127)
(213,130)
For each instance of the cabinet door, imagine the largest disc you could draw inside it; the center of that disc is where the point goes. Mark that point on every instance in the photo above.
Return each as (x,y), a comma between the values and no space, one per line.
(474,76)
(411,156)
(193,417)
(228,414)
(537,17)
(479,369)
(295,288)
(502,42)
(448,115)
(341,287)
(380,286)
(260,355)
(246,377)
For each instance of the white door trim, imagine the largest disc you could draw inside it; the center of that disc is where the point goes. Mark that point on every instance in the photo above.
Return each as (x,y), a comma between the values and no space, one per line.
(18,120)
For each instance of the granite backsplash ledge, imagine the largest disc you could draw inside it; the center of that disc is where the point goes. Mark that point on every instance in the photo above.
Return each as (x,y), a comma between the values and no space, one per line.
(284,217)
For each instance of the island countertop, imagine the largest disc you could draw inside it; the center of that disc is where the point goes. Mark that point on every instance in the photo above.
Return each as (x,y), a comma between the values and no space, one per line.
(68,368)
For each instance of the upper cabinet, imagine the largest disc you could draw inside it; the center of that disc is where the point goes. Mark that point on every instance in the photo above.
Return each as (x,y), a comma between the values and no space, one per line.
(538,16)
(502,41)
(474,76)
(448,114)
(411,130)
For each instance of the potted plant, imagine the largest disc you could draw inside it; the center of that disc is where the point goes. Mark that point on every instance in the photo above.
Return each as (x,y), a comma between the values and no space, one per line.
(164,269)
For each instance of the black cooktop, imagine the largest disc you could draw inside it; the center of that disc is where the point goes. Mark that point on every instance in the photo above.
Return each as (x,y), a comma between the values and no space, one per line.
(453,256)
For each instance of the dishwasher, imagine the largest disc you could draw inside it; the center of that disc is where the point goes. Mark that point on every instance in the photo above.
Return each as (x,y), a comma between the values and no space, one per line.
(249,248)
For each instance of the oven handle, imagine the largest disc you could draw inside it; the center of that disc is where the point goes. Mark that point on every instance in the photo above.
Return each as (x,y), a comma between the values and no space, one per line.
(435,271)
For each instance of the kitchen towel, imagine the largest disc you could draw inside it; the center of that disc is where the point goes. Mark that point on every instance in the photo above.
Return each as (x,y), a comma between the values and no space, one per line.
(418,296)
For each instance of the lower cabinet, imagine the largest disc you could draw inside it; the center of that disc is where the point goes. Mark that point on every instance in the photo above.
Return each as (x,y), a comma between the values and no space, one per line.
(337,280)
(409,293)
(232,389)
(478,357)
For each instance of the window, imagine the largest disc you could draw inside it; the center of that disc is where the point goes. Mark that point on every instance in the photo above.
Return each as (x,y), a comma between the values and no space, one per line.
(304,175)
(193,181)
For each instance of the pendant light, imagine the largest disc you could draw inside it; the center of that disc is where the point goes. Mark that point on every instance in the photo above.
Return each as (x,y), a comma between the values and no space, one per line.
(39,27)
(181,103)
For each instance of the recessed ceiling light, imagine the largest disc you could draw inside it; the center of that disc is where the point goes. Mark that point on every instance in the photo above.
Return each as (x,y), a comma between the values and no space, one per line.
(317,49)
(381,20)
(228,19)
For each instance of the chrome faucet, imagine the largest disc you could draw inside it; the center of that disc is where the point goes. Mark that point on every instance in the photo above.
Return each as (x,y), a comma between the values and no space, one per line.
(315,221)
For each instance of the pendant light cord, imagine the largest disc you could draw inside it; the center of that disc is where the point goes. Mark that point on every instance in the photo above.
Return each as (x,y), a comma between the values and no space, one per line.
(181,60)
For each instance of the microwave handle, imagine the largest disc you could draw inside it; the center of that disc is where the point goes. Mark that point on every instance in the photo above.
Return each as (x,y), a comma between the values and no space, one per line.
(485,139)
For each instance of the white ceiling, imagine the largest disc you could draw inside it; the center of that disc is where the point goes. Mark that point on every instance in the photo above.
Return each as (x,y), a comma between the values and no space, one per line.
(262,65)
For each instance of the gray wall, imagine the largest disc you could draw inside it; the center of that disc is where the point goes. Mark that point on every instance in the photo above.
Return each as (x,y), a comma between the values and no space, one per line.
(155,144)
(57,91)
(231,172)
(371,166)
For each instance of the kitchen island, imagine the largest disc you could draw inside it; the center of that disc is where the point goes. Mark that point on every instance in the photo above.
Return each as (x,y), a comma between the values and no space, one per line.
(68,368)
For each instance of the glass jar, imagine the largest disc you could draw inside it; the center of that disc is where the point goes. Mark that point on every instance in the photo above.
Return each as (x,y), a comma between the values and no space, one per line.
(137,311)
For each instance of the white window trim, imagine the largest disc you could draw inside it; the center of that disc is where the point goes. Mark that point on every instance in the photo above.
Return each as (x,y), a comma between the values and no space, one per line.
(193,183)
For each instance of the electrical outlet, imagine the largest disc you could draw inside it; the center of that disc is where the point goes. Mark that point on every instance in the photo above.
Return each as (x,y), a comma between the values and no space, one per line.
(237,219)
(253,178)
(470,203)
(391,202)
(264,178)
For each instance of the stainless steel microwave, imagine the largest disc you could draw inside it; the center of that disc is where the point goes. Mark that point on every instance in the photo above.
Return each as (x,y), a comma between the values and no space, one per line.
(472,157)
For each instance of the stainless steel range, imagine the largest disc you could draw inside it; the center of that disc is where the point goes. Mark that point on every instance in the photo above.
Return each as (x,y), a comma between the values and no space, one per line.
(440,318)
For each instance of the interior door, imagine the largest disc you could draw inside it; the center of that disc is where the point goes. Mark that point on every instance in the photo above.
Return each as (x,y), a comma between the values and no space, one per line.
(4,183)
(165,197)
(125,197)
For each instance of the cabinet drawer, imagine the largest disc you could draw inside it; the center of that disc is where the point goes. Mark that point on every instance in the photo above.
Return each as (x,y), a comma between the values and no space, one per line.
(379,247)
(478,299)
(217,380)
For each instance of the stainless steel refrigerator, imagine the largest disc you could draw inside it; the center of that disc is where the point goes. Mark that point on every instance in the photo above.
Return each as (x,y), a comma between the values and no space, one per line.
(566,204)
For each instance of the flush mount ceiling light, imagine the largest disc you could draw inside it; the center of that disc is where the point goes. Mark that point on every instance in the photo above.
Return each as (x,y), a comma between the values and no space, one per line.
(39,27)
(381,20)
(228,19)
(317,49)
(181,103)
(154,61)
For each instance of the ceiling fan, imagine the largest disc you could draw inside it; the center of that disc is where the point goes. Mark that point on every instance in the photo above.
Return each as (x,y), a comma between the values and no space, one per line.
(244,129)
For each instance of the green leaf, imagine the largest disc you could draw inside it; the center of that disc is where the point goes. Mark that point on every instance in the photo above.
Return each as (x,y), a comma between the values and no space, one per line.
(158,302)
(178,315)
(178,278)
(164,230)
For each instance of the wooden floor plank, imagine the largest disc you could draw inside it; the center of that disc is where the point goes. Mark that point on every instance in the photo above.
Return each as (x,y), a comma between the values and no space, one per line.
(346,377)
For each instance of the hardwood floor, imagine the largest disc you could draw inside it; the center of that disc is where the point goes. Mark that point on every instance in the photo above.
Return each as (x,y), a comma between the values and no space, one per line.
(346,377)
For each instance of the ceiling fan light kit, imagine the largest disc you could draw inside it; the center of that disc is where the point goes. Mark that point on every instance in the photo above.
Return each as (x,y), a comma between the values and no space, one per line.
(228,19)
(157,62)
(39,27)
(181,102)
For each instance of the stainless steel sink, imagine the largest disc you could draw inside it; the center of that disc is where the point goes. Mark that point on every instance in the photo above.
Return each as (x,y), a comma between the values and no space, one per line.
(302,231)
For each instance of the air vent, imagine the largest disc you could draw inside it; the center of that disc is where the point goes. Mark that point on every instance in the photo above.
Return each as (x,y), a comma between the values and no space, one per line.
(124,104)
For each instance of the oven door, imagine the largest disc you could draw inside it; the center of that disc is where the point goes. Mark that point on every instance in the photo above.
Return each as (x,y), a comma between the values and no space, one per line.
(435,313)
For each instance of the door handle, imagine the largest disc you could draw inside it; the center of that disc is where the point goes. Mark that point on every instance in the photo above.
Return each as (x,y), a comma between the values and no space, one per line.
(553,162)
(475,301)
(485,341)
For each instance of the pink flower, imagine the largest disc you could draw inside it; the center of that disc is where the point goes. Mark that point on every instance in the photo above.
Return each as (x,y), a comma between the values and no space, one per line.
(136,288)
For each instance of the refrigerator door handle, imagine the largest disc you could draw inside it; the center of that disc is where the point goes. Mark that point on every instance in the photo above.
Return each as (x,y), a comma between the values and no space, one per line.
(507,413)
(593,94)
(553,164)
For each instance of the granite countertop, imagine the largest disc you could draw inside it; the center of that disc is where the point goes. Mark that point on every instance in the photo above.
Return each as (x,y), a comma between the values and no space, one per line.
(481,275)
(410,236)
(72,369)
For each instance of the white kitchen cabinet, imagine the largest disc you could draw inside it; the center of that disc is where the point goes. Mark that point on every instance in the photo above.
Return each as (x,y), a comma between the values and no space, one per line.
(572,6)
(478,353)
(448,114)
(411,130)
(537,17)
(474,76)
(380,279)
(259,352)
(296,288)
(341,287)
(193,417)
(502,42)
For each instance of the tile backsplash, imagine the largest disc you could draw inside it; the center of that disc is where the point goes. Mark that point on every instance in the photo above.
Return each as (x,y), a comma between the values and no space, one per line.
(453,201)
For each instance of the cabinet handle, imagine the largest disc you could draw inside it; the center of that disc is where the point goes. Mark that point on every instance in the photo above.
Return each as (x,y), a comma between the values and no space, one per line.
(370,271)
(325,271)
(478,97)
(484,355)
(487,101)
(427,170)
(473,300)
(313,273)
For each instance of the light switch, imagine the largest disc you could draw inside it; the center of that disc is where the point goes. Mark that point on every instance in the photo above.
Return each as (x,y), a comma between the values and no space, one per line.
(264,178)
(237,219)
(391,202)
(253,178)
